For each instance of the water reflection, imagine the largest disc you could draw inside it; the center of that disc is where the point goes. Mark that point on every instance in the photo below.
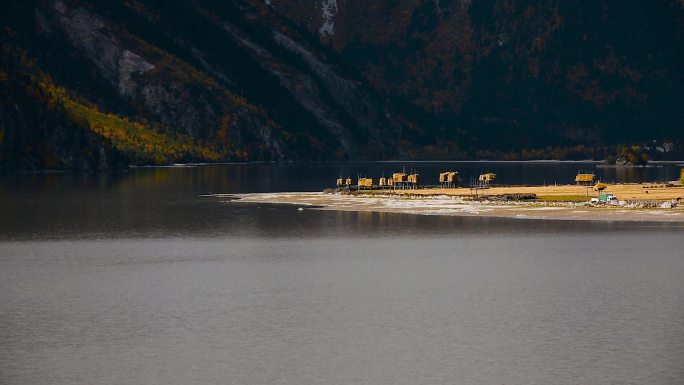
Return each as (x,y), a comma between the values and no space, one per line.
(157,202)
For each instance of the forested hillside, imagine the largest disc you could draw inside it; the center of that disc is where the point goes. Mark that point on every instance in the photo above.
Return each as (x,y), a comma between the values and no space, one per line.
(100,85)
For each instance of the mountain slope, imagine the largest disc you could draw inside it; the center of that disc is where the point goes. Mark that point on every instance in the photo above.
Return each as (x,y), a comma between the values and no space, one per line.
(160,82)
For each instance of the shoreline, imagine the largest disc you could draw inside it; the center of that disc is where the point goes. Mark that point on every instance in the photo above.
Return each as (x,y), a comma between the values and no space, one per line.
(598,163)
(452,205)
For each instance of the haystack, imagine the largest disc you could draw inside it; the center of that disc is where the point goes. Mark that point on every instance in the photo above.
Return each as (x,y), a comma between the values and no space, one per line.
(414,179)
(600,186)
(366,183)
(448,178)
(399,177)
(585,178)
(487,178)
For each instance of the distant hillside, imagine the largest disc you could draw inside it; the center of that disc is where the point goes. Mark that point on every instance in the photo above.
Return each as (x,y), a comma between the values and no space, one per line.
(99,86)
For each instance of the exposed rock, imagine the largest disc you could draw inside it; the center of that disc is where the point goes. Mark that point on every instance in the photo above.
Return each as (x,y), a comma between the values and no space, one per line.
(354,101)
(129,65)
(328,12)
(87,32)
(302,87)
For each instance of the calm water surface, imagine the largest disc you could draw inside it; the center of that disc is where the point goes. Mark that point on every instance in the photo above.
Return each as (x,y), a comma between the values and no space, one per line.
(136,279)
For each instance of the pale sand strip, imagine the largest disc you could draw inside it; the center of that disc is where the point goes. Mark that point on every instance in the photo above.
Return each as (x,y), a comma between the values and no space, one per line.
(449,205)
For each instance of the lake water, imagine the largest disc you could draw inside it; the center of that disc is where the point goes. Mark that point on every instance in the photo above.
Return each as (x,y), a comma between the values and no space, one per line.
(137,279)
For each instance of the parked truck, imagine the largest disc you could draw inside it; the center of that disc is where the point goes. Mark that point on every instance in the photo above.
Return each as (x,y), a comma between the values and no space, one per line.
(604,198)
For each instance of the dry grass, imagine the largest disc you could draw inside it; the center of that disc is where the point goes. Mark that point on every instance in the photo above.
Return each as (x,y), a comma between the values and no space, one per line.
(562,198)
(644,191)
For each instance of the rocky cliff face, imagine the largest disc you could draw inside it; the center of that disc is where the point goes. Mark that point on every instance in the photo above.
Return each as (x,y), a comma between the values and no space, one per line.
(570,72)
(346,79)
(152,83)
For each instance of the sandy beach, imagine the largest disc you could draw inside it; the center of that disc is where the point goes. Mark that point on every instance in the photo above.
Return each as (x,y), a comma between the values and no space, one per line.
(434,204)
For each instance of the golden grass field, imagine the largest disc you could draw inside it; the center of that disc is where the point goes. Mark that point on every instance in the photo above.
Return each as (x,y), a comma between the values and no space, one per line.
(644,191)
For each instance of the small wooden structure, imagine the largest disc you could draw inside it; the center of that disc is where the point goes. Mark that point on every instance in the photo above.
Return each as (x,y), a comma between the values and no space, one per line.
(413,181)
(585,179)
(382,183)
(600,186)
(400,180)
(399,177)
(448,179)
(486,179)
(365,183)
(340,182)
(348,182)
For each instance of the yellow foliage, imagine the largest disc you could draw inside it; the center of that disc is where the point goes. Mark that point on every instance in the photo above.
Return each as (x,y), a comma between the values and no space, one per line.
(131,137)
(223,132)
(142,141)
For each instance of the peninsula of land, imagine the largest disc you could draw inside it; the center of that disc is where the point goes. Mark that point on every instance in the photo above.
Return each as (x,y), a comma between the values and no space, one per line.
(649,202)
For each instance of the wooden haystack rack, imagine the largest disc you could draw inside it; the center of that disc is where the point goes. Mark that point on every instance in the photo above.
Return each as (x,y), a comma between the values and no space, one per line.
(382,183)
(340,182)
(448,179)
(400,180)
(585,178)
(600,186)
(452,178)
(400,177)
(486,179)
(413,181)
(365,183)
(348,182)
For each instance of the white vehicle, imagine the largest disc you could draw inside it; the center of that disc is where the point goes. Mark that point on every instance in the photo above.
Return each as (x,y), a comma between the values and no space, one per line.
(604,198)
